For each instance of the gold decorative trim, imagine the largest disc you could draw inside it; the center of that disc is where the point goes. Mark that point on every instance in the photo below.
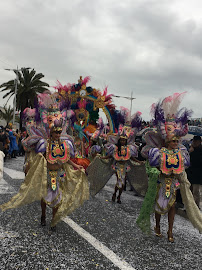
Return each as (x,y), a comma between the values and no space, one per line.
(99,103)
(171,202)
(55,200)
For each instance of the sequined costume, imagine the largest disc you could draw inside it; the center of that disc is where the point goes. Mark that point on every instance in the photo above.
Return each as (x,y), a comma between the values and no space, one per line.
(171,163)
(65,188)
(168,160)
(55,153)
(120,161)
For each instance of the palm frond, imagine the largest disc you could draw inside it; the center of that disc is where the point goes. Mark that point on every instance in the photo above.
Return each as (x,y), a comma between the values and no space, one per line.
(29,85)
(6,113)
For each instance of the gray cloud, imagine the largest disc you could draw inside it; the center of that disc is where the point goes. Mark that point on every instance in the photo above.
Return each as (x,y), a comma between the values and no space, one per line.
(140,46)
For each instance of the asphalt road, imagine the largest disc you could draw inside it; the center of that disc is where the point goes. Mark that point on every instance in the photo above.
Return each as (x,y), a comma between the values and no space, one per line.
(99,235)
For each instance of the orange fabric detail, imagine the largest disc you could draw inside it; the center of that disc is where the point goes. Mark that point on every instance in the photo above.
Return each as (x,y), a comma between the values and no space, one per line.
(81,161)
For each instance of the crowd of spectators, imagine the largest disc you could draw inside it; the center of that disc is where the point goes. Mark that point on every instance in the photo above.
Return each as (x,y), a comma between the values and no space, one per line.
(10,142)
(196,122)
(193,122)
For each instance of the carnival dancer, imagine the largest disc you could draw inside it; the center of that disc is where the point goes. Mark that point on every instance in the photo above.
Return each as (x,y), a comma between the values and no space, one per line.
(94,149)
(121,152)
(96,145)
(30,117)
(4,142)
(165,153)
(57,155)
(51,177)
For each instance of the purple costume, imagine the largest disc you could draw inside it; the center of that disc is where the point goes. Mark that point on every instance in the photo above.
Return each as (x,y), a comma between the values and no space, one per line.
(121,161)
(168,181)
(54,193)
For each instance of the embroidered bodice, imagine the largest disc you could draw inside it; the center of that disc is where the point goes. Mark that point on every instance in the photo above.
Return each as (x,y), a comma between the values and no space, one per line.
(126,152)
(57,152)
(169,161)
(123,155)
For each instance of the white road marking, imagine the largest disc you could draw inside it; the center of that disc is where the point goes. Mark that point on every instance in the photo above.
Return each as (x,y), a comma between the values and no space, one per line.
(109,254)
(14,174)
(5,188)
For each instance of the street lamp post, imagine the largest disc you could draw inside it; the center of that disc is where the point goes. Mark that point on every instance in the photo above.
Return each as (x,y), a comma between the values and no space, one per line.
(15,91)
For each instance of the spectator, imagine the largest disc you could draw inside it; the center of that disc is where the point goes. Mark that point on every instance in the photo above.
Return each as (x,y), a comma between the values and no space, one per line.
(13,142)
(4,141)
(194,172)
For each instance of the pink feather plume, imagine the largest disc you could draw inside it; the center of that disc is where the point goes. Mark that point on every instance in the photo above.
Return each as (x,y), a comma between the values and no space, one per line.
(86,80)
(82,104)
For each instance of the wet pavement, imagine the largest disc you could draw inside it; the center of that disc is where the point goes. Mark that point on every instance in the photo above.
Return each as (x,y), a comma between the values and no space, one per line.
(113,240)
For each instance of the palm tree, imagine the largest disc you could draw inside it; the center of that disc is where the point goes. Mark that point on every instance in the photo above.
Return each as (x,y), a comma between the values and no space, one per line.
(28,86)
(6,114)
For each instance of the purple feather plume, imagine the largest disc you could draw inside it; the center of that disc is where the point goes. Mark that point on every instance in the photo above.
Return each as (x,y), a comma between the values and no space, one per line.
(73,118)
(121,117)
(136,121)
(158,113)
(65,104)
(183,116)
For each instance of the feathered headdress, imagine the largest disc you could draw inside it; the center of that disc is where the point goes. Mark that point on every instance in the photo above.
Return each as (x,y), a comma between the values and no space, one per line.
(128,125)
(99,130)
(52,107)
(28,116)
(168,119)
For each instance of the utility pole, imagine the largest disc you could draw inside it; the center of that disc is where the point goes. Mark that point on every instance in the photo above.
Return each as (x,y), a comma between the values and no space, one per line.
(131,104)
(131,98)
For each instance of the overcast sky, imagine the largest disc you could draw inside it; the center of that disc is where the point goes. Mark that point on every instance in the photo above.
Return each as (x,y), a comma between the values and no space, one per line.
(153,47)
